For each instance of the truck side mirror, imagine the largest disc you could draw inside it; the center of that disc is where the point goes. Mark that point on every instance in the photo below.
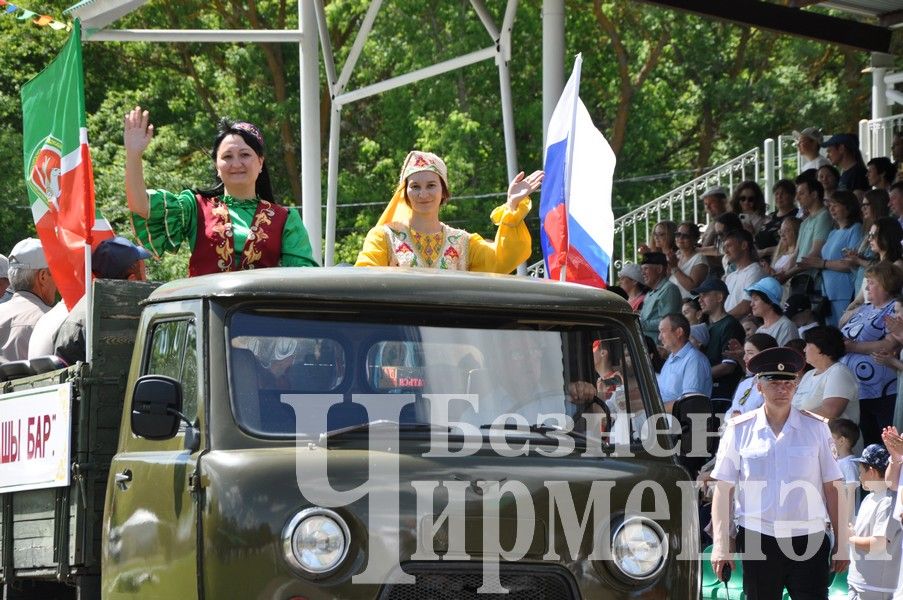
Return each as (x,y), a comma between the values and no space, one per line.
(156,406)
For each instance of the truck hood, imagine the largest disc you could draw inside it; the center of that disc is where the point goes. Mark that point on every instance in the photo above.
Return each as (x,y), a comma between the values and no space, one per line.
(251,495)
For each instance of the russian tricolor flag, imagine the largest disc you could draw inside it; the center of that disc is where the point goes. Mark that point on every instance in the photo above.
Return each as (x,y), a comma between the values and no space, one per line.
(577,232)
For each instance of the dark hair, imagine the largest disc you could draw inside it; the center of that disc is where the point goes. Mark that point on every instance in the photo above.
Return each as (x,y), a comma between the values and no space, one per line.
(850,201)
(832,170)
(884,167)
(652,353)
(694,230)
(878,202)
(762,341)
(693,302)
(226,127)
(796,344)
(809,178)
(730,220)
(827,339)
(897,185)
(845,428)
(678,321)
(617,290)
(758,197)
(786,185)
(742,235)
(889,235)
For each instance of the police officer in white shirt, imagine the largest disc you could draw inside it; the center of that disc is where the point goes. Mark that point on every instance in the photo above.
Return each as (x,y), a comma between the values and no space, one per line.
(776,471)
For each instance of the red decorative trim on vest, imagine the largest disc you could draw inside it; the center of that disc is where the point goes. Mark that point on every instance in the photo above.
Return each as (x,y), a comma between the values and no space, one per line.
(214,248)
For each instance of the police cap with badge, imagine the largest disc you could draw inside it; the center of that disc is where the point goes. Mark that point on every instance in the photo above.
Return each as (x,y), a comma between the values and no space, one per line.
(777,364)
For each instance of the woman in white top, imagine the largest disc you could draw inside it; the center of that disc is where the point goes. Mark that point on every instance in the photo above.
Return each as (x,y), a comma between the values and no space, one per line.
(830,389)
(688,266)
(748,397)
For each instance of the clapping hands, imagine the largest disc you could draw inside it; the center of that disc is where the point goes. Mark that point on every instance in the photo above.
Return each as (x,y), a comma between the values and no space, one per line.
(893,441)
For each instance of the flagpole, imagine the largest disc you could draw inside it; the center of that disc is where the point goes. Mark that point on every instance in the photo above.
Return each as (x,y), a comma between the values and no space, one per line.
(89,305)
(578,63)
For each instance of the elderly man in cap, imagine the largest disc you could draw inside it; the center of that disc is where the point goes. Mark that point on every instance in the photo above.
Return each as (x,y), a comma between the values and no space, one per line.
(776,467)
(725,331)
(843,152)
(116,258)
(5,292)
(765,303)
(34,292)
(714,199)
(663,297)
(808,142)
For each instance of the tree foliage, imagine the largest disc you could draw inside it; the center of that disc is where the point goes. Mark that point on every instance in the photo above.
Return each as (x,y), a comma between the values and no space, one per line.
(673,92)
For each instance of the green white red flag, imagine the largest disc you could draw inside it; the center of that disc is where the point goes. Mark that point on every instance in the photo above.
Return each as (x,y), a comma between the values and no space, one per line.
(58,171)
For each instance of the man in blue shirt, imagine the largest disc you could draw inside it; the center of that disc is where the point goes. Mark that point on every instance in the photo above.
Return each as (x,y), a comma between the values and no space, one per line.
(687,370)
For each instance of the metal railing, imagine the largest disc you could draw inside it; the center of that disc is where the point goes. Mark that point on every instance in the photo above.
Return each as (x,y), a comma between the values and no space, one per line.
(774,161)
(877,135)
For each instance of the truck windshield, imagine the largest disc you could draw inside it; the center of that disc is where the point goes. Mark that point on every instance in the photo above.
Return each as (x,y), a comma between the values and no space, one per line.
(296,376)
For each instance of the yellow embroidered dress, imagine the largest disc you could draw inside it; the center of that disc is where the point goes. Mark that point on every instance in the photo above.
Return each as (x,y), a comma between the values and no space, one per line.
(395,244)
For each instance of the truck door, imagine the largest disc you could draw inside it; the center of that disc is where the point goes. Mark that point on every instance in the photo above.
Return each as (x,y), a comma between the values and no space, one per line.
(150,526)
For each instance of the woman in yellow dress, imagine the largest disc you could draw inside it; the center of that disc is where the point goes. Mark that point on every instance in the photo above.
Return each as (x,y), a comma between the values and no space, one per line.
(410,234)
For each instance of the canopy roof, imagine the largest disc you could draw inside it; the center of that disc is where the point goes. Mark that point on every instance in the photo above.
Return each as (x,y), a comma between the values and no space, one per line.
(794,20)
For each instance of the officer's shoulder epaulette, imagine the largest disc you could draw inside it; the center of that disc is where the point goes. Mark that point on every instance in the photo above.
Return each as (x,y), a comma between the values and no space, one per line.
(741,418)
(814,416)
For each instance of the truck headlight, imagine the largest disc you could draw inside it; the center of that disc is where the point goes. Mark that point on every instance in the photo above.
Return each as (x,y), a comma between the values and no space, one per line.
(315,541)
(639,548)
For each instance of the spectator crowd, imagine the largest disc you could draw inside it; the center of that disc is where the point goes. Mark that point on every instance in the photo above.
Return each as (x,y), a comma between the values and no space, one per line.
(821,274)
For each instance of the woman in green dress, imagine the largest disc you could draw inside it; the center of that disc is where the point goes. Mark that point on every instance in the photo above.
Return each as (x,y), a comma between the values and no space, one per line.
(232,226)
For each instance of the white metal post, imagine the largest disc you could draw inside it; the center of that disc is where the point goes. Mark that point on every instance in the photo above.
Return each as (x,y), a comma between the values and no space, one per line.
(865,140)
(501,59)
(552,59)
(769,172)
(332,182)
(311,200)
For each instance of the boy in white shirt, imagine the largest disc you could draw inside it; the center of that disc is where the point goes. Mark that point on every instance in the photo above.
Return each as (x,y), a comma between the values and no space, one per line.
(876,540)
(845,434)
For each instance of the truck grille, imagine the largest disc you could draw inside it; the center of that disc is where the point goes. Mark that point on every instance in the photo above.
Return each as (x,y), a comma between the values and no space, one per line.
(460,581)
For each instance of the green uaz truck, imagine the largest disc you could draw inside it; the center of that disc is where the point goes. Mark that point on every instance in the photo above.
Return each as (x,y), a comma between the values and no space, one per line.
(346,433)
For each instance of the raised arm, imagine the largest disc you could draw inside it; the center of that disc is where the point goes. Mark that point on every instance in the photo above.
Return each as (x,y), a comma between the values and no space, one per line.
(521,187)
(137,134)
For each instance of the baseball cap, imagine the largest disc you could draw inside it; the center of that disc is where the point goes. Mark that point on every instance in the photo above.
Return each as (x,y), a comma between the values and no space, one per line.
(813,133)
(631,271)
(874,455)
(28,254)
(768,287)
(779,363)
(112,257)
(654,258)
(4,266)
(711,284)
(716,190)
(847,139)
(796,304)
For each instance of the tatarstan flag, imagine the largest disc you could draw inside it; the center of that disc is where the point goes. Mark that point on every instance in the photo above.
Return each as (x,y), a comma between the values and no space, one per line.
(58,171)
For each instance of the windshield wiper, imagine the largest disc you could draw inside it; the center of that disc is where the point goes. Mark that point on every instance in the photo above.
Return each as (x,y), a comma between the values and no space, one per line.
(379,424)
